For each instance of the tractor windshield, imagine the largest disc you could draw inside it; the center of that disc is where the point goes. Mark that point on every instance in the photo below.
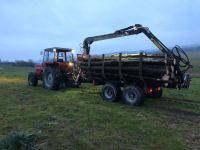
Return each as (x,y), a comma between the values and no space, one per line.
(49,56)
(65,57)
(70,57)
(61,56)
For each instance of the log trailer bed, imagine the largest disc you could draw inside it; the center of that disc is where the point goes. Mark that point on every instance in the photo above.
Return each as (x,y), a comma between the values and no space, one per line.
(132,77)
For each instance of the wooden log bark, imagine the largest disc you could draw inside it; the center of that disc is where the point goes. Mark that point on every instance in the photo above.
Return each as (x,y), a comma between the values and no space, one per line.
(128,67)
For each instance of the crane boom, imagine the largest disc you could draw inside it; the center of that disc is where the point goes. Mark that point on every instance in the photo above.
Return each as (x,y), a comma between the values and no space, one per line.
(131,30)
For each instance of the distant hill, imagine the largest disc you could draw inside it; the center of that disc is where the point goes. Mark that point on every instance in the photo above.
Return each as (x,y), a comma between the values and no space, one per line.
(192,48)
(193,52)
(187,49)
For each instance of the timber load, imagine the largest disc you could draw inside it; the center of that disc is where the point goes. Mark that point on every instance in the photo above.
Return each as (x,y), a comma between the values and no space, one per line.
(129,68)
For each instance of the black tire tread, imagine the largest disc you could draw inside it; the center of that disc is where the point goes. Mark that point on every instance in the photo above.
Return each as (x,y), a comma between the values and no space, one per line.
(32,79)
(117,91)
(140,95)
(56,78)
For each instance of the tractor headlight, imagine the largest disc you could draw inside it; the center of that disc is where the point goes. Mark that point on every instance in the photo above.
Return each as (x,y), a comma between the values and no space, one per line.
(73,51)
(71,64)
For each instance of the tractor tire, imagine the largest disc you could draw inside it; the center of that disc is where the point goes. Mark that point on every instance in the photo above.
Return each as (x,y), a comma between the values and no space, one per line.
(32,79)
(51,78)
(111,92)
(133,95)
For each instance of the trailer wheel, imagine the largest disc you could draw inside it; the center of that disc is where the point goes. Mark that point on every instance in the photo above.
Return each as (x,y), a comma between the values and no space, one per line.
(51,78)
(133,95)
(32,79)
(111,92)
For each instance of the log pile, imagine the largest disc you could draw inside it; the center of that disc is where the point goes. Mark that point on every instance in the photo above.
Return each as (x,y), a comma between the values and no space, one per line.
(128,67)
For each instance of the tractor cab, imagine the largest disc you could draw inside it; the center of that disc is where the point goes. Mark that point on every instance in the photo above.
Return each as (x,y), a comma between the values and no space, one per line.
(57,54)
(60,58)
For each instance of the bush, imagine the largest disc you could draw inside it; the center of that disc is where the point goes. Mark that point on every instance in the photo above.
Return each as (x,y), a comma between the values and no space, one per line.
(19,140)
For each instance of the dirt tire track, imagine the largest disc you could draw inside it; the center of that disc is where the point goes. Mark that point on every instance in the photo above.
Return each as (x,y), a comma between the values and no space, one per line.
(181,101)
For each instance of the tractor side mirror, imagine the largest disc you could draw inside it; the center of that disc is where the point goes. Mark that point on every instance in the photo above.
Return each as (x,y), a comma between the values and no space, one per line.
(41,53)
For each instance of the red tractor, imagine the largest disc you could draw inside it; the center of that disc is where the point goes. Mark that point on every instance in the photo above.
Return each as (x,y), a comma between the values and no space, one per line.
(58,67)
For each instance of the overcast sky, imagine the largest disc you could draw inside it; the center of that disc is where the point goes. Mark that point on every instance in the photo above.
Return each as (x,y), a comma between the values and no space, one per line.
(27,27)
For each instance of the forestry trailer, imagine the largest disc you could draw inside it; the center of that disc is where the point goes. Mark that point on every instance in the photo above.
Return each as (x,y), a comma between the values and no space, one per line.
(134,76)
(58,67)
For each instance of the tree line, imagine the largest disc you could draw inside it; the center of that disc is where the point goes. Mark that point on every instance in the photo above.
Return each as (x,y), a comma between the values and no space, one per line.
(23,63)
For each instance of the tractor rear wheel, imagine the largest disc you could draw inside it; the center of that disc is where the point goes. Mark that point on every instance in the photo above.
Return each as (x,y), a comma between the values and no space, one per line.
(32,79)
(133,95)
(51,78)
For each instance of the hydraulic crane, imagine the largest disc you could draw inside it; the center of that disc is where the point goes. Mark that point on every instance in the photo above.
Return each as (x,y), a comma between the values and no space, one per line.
(182,60)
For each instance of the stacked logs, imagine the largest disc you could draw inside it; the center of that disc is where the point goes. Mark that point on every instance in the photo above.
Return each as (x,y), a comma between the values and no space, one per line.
(128,67)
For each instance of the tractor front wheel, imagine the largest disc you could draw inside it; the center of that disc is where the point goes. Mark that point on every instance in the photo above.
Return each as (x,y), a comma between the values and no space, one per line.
(32,79)
(51,78)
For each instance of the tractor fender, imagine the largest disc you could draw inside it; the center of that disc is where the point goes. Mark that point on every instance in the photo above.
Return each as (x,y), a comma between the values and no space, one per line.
(39,70)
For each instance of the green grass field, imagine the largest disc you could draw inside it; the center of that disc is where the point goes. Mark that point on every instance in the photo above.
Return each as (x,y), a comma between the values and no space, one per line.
(195,61)
(77,118)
